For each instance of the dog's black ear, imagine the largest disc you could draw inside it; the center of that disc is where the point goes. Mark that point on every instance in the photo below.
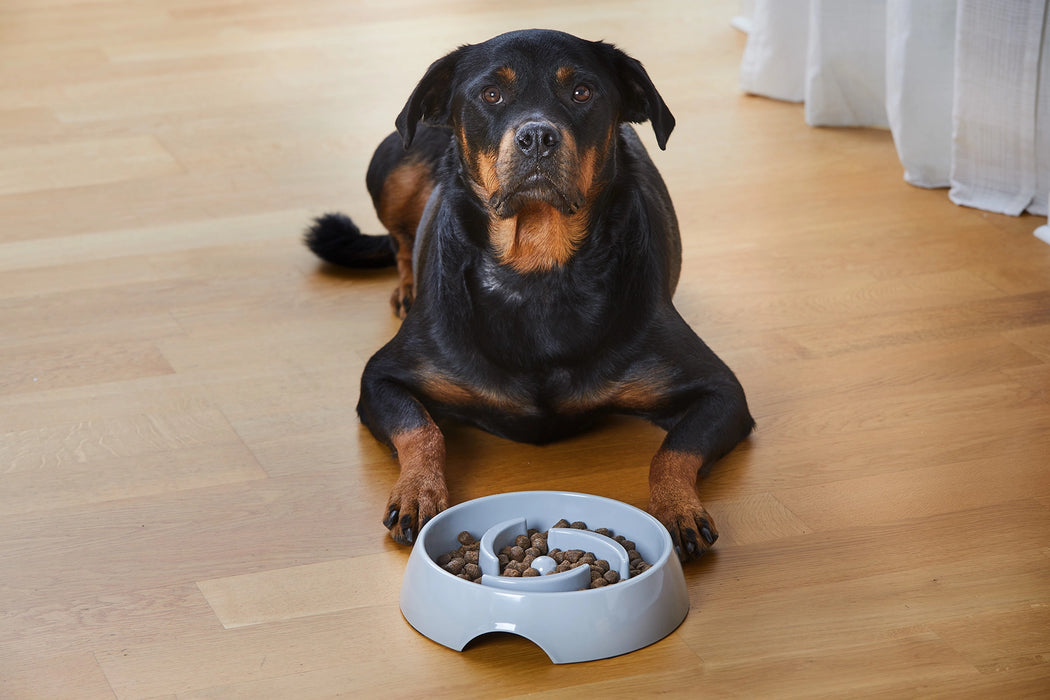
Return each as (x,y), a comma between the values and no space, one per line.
(429,102)
(641,101)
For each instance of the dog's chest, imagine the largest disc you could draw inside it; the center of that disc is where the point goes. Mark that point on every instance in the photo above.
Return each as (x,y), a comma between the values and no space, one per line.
(536,323)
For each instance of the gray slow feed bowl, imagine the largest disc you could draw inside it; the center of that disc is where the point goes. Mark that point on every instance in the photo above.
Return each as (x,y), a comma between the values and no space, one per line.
(569,624)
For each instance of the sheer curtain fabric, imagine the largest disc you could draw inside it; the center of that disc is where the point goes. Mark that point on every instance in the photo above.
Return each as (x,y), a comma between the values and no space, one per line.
(963,85)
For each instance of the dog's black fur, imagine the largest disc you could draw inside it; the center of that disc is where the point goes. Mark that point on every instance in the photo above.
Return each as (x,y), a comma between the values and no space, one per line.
(538,252)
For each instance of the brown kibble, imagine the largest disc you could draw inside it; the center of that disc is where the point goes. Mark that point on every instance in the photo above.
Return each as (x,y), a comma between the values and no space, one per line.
(465,538)
(472,571)
(444,559)
(516,559)
(455,565)
(472,556)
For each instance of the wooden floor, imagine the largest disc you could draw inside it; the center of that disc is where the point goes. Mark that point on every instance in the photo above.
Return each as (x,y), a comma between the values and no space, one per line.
(189,508)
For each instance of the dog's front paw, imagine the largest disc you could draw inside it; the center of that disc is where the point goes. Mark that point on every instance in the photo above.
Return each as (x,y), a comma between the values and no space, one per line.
(691,527)
(413,502)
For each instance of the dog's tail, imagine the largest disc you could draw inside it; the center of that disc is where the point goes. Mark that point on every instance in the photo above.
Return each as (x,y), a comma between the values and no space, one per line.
(335,238)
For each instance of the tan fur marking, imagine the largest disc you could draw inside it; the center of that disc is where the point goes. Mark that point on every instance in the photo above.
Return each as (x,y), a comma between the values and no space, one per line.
(442,389)
(420,492)
(507,73)
(540,237)
(631,395)
(674,502)
(641,395)
(420,450)
(674,469)
(401,205)
(404,196)
(445,391)
(588,164)
(564,74)
(487,181)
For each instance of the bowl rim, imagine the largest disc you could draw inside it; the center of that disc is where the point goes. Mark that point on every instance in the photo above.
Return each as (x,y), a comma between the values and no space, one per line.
(666,551)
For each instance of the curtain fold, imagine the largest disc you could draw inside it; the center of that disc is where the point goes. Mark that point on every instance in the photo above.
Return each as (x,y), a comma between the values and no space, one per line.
(963,85)
(920,70)
(995,112)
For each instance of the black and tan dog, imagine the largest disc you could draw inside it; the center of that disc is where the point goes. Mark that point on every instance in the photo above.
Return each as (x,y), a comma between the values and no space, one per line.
(538,252)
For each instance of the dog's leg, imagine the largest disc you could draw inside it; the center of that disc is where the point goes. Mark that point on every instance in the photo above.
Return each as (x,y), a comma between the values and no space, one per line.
(674,502)
(397,418)
(420,492)
(400,206)
(404,293)
(715,421)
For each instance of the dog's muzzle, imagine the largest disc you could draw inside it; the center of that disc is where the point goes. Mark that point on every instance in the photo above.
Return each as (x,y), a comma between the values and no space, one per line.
(538,167)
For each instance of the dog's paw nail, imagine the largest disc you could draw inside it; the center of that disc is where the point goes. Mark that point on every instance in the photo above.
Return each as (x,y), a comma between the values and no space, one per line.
(391,518)
(407,530)
(691,546)
(708,536)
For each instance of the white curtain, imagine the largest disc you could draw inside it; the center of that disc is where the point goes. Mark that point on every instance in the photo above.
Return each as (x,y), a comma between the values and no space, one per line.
(963,85)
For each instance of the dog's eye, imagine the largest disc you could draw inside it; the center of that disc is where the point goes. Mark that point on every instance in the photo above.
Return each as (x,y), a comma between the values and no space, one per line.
(492,95)
(581,94)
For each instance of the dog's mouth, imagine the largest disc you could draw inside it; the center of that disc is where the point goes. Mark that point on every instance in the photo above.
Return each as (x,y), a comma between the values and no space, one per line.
(535,187)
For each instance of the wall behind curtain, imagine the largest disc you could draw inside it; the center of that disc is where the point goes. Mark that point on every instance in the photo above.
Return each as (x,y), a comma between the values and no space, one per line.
(963,85)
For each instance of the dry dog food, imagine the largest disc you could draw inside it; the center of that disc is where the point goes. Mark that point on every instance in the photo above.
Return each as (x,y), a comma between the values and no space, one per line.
(516,559)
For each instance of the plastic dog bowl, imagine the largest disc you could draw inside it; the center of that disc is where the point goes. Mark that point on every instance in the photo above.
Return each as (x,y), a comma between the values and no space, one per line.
(550,610)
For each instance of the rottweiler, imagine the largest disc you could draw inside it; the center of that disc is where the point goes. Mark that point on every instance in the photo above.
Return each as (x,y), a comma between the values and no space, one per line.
(537,252)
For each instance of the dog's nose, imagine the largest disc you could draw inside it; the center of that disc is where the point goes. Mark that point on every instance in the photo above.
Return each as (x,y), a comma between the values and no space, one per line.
(537,139)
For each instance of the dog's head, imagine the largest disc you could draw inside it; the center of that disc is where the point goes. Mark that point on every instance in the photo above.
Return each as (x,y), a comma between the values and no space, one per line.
(535,115)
